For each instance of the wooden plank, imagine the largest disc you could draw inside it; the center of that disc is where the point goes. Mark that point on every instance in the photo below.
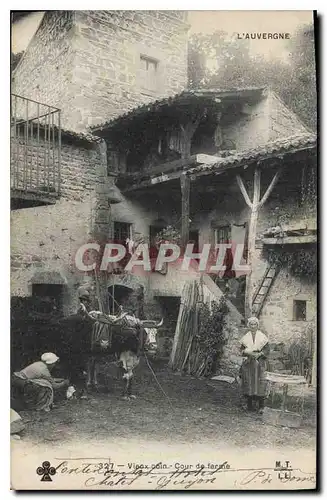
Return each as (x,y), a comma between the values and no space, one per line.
(152,182)
(207,159)
(217,294)
(163,168)
(178,324)
(291,240)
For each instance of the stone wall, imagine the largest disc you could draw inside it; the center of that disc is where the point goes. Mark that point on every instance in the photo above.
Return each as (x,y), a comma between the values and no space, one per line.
(78,165)
(108,48)
(46,238)
(45,71)
(268,120)
(88,63)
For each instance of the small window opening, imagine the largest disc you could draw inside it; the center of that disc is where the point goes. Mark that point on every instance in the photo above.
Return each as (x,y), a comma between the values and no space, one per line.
(299,310)
(149,73)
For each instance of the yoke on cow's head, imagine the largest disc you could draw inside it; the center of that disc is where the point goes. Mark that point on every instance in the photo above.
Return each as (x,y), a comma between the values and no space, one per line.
(144,330)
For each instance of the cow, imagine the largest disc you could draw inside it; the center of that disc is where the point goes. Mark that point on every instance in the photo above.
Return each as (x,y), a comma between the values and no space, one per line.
(83,339)
(123,336)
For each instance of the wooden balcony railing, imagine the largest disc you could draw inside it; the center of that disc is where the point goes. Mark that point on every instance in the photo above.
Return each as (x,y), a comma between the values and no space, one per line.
(35,149)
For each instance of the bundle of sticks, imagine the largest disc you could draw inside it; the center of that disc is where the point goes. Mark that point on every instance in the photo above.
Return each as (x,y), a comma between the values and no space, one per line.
(187,355)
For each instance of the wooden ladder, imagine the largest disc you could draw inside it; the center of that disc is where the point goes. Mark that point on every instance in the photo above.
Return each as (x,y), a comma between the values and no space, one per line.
(263,289)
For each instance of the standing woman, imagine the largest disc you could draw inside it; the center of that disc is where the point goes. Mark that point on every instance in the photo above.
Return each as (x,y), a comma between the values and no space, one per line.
(255,350)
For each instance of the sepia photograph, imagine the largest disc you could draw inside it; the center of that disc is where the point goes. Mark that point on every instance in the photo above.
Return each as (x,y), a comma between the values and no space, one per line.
(163,275)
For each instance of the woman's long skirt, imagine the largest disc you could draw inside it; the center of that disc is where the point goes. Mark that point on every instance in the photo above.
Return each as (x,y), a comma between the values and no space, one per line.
(253,377)
(36,394)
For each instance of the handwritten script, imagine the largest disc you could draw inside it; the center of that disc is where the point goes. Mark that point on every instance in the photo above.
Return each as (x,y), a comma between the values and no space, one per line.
(266,477)
(96,474)
(159,475)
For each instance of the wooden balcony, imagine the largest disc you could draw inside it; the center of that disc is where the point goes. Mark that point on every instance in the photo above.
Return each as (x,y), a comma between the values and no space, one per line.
(35,153)
(295,233)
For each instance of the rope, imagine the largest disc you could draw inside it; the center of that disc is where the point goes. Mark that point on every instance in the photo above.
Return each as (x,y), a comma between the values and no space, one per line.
(155,377)
(113,298)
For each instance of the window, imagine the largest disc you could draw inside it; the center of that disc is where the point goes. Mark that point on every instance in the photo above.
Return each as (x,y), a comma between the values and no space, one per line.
(299,310)
(149,73)
(122,231)
(222,234)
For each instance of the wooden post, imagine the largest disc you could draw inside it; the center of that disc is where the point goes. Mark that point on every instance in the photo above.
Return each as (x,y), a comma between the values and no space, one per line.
(251,241)
(185,188)
(254,206)
(187,132)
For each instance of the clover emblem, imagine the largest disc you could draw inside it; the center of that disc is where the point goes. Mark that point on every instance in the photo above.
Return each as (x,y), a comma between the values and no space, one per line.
(46,471)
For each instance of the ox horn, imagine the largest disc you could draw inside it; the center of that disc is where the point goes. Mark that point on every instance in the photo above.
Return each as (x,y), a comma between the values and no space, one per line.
(160,323)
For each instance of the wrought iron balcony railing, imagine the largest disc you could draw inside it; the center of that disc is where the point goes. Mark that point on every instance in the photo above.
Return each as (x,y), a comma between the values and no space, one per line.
(35,148)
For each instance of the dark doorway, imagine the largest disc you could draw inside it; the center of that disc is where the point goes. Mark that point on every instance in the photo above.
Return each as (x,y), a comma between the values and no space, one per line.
(50,298)
(170,310)
(194,238)
(119,295)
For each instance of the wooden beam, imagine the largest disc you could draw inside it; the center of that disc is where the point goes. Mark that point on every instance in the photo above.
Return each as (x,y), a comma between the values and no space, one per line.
(291,240)
(251,241)
(270,187)
(243,191)
(185,188)
(152,182)
(256,188)
(164,168)
(187,132)
(204,159)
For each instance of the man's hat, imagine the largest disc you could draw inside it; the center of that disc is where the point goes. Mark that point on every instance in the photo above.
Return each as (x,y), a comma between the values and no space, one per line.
(83,293)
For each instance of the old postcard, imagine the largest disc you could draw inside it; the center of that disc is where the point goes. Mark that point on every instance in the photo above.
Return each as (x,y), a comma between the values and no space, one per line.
(163,250)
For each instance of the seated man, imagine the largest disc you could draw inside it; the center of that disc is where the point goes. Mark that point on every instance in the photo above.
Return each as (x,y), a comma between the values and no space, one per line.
(35,386)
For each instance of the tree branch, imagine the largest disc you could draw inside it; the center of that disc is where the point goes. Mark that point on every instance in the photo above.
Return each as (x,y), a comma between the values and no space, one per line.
(270,187)
(243,191)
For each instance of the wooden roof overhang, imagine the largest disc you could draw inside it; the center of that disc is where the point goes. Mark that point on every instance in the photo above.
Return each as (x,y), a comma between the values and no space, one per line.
(179,107)
(202,166)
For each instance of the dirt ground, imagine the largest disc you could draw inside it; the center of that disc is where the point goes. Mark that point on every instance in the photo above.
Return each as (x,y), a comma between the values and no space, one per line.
(198,411)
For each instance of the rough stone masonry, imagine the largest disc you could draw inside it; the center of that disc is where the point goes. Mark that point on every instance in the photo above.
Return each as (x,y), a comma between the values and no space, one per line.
(89,63)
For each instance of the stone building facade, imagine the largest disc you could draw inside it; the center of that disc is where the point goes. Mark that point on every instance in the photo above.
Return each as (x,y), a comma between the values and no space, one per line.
(91,65)
(96,66)
(99,64)
(44,239)
(264,133)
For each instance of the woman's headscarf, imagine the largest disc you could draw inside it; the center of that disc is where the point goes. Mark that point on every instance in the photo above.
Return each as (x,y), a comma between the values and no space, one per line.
(253,319)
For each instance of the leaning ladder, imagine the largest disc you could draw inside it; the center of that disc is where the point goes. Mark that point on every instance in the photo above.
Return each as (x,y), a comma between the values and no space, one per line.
(263,289)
